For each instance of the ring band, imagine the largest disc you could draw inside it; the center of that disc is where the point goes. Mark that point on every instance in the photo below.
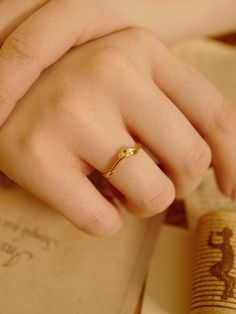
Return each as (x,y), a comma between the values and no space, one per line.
(125,152)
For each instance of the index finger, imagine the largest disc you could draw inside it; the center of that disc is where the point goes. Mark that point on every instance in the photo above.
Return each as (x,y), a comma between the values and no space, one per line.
(208,110)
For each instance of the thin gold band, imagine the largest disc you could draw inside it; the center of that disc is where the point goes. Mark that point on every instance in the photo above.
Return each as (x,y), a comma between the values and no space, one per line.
(124,153)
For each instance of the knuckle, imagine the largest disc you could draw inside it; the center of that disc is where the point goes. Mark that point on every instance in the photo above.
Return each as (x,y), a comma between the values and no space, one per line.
(108,62)
(142,35)
(99,224)
(197,160)
(157,198)
(60,98)
(224,117)
(26,143)
(187,83)
(106,53)
(148,42)
(30,145)
(18,46)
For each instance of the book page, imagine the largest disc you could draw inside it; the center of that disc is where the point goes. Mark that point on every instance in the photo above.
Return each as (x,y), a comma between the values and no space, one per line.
(48,266)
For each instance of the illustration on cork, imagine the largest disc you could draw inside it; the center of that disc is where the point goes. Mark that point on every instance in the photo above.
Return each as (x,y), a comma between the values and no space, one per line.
(222,269)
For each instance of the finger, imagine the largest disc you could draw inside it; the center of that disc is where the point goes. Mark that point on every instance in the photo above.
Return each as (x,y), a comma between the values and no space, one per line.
(13,13)
(41,40)
(212,115)
(59,181)
(180,150)
(138,178)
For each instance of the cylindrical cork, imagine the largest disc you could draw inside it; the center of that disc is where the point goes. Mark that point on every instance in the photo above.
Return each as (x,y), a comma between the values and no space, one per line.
(214,264)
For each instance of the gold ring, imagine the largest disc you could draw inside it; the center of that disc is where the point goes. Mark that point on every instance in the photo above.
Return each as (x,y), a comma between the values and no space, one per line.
(125,152)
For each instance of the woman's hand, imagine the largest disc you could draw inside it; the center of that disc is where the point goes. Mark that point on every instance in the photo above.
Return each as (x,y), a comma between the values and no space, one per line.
(39,32)
(102,97)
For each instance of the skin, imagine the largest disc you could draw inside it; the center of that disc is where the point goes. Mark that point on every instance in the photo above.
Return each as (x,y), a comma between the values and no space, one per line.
(27,28)
(40,146)
(101,97)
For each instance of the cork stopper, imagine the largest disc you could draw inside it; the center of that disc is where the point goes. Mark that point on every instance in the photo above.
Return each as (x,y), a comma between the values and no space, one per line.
(214,264)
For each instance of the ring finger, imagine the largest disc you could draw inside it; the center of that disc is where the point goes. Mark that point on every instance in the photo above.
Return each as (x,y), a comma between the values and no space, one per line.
(147,189)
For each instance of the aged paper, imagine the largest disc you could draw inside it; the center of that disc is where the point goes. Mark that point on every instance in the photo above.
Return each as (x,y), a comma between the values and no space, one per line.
(48,266)
(169,277)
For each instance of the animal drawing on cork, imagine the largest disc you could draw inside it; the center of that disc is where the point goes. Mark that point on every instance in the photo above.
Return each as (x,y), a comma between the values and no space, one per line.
(222,268)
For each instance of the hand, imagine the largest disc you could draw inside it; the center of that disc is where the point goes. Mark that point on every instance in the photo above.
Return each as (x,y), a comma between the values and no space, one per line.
(102,97)
(44,30)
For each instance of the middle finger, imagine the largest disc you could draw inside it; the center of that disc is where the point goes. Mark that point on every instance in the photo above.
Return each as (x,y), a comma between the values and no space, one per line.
(182,152)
